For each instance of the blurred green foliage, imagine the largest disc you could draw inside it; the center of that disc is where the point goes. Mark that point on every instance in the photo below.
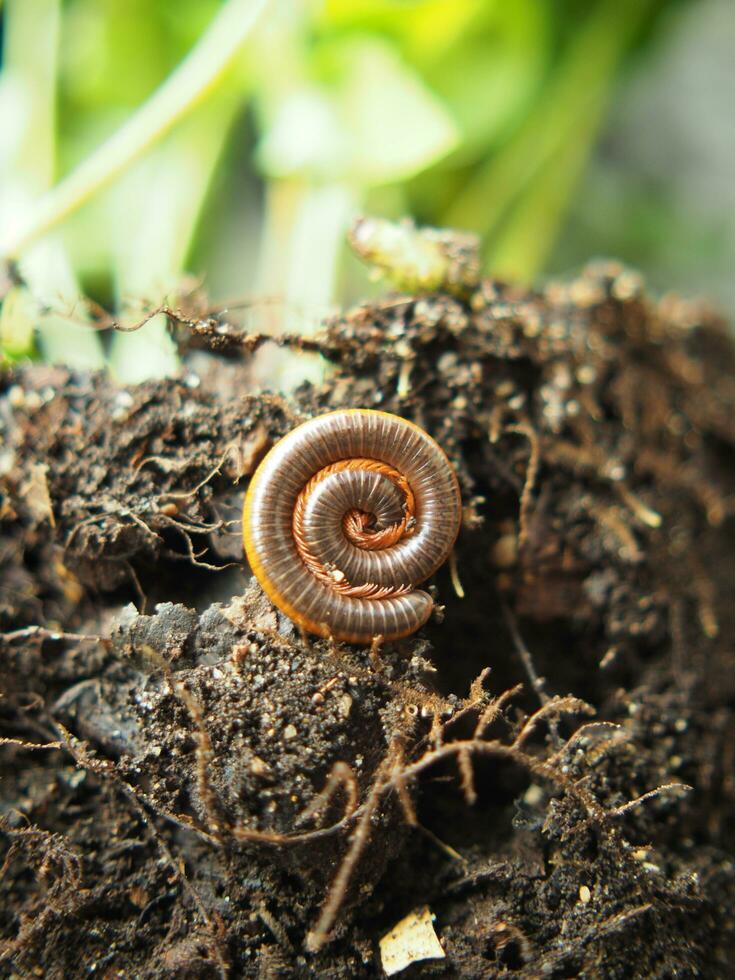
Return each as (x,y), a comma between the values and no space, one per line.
(249,164)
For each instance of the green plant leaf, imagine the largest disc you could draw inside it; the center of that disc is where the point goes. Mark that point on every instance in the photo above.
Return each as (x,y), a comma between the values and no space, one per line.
(17,323)
(375,123)
(397,126)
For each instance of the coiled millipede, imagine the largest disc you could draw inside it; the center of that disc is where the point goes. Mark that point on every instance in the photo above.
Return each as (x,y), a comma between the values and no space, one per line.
(345,516)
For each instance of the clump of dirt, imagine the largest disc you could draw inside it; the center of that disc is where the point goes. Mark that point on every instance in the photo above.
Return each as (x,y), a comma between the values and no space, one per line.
(192,788)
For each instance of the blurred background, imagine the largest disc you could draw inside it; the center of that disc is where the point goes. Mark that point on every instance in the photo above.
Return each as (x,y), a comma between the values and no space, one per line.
(142,141)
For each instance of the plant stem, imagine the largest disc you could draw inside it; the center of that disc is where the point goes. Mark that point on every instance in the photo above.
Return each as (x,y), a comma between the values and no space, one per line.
(571,102)
(170,186)
(524,242)
(303,234)
(187,85)
(31,45)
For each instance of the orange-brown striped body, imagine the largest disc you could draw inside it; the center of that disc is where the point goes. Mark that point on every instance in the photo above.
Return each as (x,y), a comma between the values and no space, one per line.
(345,516)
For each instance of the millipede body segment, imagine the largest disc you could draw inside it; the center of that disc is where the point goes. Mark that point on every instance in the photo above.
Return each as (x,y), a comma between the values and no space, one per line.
(345,516)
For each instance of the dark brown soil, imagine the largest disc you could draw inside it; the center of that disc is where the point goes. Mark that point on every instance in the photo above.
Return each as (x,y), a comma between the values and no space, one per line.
(192,789)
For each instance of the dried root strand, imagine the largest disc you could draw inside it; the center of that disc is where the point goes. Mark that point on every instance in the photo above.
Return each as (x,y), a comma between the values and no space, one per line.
(478,694)
(494,710)
(532,469)
(467,776)
(673,788)
(30,746)
(401,786)
(43,633)
(552,710)
(319,935)
(340,778)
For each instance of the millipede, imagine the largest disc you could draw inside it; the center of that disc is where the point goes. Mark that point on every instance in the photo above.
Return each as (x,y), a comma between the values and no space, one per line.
(344,518)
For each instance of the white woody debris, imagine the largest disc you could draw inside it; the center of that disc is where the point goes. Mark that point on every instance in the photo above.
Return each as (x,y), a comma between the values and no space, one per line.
(410,940)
